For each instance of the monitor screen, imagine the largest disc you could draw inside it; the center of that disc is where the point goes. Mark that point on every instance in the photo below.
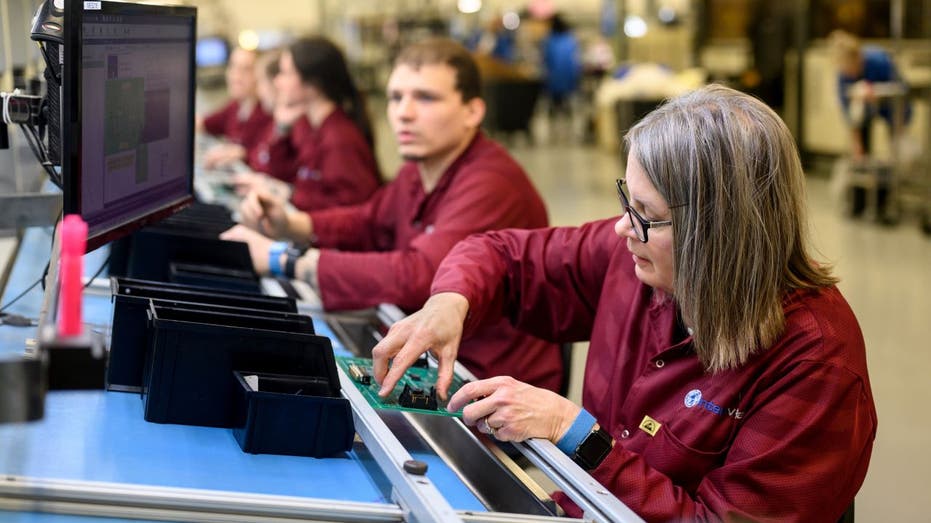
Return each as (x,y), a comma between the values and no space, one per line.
(212,51)
(127,114)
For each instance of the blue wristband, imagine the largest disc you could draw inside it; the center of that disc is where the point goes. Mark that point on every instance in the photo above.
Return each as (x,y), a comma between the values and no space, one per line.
(581,427)
(274,258)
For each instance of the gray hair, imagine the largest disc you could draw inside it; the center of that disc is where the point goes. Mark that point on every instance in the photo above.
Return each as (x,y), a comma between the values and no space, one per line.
(739,231)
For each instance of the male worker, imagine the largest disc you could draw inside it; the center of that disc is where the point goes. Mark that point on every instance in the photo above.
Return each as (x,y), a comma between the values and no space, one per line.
(454,182)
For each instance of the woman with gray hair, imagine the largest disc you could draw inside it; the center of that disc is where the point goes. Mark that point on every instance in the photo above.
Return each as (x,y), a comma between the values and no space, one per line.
(726,376)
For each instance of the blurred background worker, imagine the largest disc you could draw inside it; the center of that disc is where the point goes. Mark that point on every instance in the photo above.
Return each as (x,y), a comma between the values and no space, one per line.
(869,85)
(860,69)
(562,64)
(321,143)
(225,155)
(266,70)
(243,119)
(454,182)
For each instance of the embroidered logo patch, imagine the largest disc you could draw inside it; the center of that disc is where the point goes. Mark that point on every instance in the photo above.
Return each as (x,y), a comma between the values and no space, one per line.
(650,425)
(694,399)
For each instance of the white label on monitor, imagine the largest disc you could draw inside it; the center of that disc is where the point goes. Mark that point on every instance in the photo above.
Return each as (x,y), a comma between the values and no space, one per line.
(92,6)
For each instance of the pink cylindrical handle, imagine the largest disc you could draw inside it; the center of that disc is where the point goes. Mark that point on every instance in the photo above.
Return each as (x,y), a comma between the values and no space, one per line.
(70,268)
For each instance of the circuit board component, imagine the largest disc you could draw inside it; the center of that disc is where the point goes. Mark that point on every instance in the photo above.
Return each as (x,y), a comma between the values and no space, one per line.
(360,374)
(415,398)
(415,391)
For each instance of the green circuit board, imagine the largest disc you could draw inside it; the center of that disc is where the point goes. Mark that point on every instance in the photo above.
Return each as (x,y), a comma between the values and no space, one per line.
(418,380)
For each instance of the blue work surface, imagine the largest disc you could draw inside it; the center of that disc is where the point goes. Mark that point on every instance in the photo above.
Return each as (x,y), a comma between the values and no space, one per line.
(29,266)
(102,436)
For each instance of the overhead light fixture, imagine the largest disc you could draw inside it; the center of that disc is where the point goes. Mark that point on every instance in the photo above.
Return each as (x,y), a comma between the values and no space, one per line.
(635,26)
(249,40)
(667,15)
(469,6)
(510,21)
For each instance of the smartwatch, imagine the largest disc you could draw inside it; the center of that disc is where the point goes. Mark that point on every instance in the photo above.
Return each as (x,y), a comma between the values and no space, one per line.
(593,449)
(291,256)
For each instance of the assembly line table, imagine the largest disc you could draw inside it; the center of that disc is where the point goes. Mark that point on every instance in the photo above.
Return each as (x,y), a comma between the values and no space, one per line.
(101,437)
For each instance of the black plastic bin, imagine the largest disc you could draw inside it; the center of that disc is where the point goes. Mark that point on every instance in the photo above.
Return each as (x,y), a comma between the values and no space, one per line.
(189,369)
(236,280)
(293,415)
(152,251)
(129,340)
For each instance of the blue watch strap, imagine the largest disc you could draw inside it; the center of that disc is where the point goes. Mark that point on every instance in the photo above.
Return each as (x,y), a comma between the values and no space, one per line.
(274,257)
(581,427)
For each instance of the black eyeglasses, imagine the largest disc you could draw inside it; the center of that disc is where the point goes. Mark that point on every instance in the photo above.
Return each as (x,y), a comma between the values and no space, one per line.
(637,222)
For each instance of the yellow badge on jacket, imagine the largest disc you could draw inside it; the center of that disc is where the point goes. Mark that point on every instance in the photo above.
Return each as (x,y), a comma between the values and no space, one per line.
(650,425)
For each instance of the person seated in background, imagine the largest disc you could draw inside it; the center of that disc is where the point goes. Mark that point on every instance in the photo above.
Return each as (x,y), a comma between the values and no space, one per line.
(726,377)
(243,119)
(223,155)
(562,64)
(863,72)
(267,68)
(859,69)
(321,143)
(454,182)
(494,41)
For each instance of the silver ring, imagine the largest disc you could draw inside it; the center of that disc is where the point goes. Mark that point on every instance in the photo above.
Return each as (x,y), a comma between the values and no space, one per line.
(491,430)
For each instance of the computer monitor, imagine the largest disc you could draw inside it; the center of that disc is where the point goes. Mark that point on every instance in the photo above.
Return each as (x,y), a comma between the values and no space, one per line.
(127,114)
(212,51)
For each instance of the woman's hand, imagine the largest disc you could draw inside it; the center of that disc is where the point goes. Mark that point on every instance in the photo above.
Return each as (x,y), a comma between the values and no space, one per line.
(222,155)
(246,182)
(258,245)
(511,410)
(436,327)
(266,213)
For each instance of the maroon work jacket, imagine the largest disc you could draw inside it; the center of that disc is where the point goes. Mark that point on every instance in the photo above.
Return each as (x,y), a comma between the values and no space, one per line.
(785,437)
(248,132)
(329,166)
